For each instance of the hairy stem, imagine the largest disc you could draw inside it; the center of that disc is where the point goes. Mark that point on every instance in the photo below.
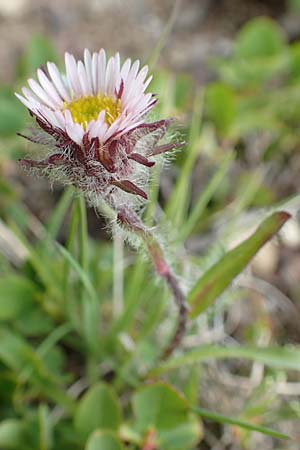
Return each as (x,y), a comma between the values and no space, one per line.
(132,223)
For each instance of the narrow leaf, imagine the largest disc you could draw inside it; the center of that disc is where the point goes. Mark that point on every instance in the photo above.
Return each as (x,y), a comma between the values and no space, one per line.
(220,275)
(278,357)
(220,418)
(98,409)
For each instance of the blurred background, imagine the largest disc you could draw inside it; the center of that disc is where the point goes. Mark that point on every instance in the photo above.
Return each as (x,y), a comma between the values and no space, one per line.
(229,71)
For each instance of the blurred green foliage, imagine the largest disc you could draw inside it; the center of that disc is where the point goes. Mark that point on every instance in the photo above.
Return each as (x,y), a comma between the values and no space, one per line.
(73,373)
(259,89)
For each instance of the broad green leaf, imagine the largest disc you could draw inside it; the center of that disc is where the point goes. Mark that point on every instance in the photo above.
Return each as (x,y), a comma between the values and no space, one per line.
(221,106)
(161,408)
(237,422)
(16,296)
(103,440)
(159,405)
(99,408)
(12,434)
(219,276)
(278,357)
(186,435)
(260,37)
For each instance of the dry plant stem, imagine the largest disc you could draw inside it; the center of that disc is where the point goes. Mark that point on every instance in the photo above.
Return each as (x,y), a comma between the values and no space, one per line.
(130,220)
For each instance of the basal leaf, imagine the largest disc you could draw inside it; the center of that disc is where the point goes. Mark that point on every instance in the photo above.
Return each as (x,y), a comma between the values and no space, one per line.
(220,275)
(103,440)
(99,408)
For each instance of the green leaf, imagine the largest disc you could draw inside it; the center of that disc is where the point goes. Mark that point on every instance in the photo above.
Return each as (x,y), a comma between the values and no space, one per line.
(237,422)
(278,357)
(221,106)
(260,37)
(159,405)
(220,275)
(16,296)
(161,408)
(99,408)
(186,435)
(103,440)
(12,434)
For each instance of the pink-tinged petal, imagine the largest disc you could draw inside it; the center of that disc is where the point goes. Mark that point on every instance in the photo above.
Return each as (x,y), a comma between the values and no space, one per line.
(147,82)
(31,96)
(68,117)
(95,73)
(58,82)
(142,75)
(49,88)
(40,93)
(117,72)
(117,63)
(29,104)
(75,132)
(101,116)
(98,130)
(131,76)
(134,69)
(88,67)
(125,69)
(60,119)
(109,81)
(49,116)
(101,71)
(72,74)
(83,79)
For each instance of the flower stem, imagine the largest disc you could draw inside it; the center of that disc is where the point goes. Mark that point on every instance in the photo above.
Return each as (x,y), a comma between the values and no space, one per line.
(130,220)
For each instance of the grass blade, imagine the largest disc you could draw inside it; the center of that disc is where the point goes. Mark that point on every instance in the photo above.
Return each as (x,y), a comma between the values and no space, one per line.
(278,357)
(220,418)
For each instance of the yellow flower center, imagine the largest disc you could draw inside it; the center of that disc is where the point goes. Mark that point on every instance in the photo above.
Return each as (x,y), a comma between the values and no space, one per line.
(88,108)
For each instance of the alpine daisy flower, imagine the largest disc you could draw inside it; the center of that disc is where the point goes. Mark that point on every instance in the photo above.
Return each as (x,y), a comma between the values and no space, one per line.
(92,122)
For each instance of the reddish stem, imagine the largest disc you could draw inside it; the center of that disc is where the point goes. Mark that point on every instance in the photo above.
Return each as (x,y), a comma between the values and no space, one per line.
(130,220)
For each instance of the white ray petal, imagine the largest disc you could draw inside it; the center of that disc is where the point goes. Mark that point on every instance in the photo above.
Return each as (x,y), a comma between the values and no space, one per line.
(95,73)
(40,93)
(76,132)
(49,88)
(109,79)
(72,74)
(125,69)
(101,71)
(58,81)
(88,67)
(83,79)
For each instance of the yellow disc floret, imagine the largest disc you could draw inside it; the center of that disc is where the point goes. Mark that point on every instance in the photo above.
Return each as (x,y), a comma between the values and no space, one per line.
(85,109)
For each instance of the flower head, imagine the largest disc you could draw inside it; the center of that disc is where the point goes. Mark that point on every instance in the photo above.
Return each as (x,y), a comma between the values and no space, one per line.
(92,120)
